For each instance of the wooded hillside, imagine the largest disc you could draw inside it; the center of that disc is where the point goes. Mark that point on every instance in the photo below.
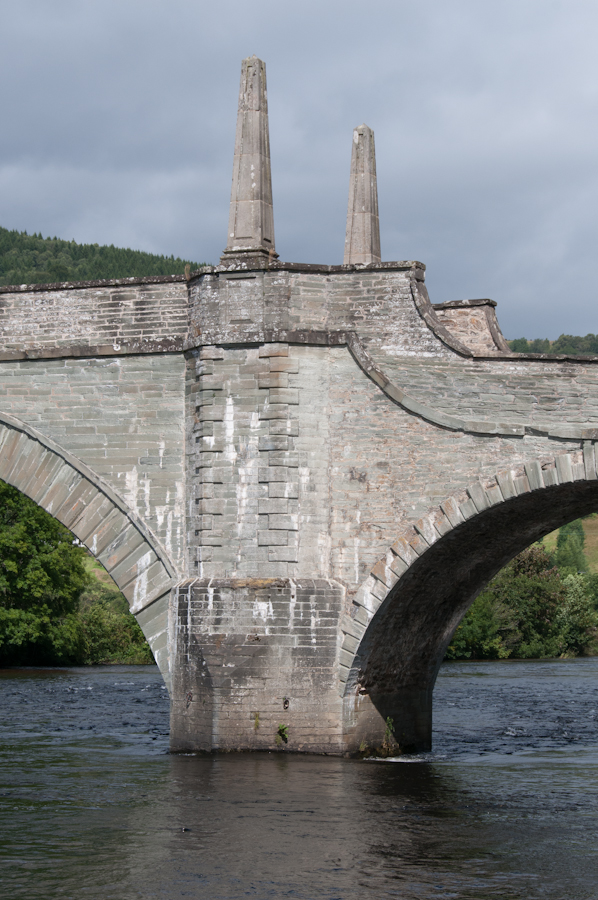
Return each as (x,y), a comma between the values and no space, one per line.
(33,259)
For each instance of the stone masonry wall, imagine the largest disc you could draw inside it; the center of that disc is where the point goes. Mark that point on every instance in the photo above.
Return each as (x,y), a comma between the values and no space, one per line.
(234,307)
(258,461)
(253,655)
(474,323)
(145,315)
(123,417)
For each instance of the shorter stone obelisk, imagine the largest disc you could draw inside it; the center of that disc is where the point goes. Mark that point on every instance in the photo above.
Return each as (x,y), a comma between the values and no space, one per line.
(362,243)
(251,220)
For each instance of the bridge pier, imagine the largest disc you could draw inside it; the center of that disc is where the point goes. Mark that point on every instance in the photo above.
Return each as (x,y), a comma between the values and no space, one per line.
(255,668)
(254,665)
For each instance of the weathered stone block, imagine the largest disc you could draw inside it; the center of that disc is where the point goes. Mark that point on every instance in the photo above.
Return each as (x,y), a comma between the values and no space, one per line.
(272,538)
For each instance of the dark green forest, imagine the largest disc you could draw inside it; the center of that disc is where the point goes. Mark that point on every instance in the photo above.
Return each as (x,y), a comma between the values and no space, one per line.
(566,344)
(33,259)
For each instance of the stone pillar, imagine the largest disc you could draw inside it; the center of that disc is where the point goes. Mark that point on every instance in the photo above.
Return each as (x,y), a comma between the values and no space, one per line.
(362,243)
(251,220)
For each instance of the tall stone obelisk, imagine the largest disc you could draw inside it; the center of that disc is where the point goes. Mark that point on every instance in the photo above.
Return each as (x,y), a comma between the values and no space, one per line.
(251,219)
(362,243)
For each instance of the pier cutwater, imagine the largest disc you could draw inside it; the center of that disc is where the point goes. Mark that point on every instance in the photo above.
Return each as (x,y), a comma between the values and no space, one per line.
(299,475)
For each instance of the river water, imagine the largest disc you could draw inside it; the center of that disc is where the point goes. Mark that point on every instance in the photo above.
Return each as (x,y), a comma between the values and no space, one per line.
(92,806)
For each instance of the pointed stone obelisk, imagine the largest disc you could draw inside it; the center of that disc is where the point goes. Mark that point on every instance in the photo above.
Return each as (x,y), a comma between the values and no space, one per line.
(251,220)
(362,243)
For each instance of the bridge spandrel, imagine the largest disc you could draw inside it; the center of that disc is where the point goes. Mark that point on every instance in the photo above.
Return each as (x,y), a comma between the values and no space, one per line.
(526,392)
(122,416)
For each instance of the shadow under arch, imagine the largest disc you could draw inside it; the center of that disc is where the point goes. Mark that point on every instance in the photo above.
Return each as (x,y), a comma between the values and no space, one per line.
(414,598)
(116,536)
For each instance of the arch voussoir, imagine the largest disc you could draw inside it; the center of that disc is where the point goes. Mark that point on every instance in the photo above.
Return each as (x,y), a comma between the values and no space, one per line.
(97,516)
(67,489)
(415,540)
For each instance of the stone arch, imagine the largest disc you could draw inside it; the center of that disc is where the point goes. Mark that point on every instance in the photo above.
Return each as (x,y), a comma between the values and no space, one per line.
(405,613)
(95,513)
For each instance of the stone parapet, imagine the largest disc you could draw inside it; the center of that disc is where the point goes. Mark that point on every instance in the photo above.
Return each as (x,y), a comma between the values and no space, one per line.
(105,318)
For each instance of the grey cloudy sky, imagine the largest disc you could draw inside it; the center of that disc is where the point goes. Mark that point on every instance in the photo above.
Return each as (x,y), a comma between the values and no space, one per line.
(118,120)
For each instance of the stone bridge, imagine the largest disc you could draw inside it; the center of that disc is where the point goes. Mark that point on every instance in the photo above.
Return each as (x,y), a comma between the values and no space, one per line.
(300,476)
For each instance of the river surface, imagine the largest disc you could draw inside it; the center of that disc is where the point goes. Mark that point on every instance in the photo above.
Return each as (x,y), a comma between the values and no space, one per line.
(93,807)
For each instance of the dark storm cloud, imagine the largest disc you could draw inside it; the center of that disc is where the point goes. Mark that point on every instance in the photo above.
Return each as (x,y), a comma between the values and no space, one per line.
(118,127)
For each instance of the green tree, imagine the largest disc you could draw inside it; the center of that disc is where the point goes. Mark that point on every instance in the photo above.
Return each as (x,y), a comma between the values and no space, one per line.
(526,611)
(570,557)
(42,575)
(519,345)
(110,632)
(54,607)
(577,618)
(574,345)
(40,565)
(540,345)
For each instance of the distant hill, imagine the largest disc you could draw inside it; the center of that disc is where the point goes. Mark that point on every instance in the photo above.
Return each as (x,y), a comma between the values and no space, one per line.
(33,259)
(566,344)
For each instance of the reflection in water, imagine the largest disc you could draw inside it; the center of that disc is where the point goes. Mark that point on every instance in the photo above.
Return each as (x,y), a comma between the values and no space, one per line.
(92,805)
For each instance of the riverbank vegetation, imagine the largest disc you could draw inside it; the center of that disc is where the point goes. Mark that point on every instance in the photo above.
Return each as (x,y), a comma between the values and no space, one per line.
(33,259)
(57,605)
(544,603)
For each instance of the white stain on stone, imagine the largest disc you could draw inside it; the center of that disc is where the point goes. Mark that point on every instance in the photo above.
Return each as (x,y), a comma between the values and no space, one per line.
(229,431)
(262,609)
(160,516)
(304,475)
(324,551)
(292,603)
(131,488)
(313,621)
(146,487)
(140,591)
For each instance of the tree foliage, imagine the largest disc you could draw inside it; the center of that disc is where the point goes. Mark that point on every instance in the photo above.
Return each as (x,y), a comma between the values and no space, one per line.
(53,608)
(566,345)
(32,259)
(522,345)
(570,557)
(534,608)
(40,567)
